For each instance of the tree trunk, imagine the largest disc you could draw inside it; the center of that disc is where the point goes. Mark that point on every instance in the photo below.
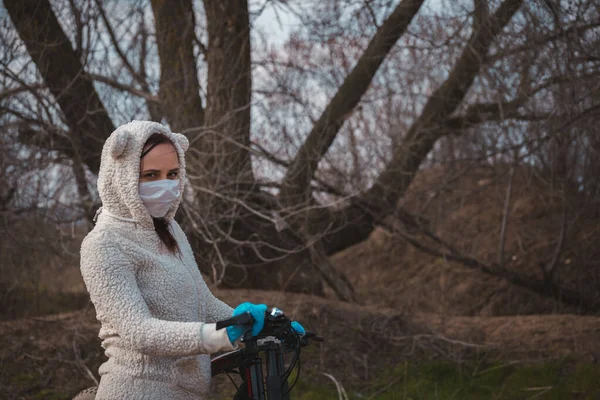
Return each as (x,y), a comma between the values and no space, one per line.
(179,86)
(225,141)
(233,242)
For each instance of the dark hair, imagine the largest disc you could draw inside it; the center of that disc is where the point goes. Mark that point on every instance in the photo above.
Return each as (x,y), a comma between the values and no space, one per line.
(160,225)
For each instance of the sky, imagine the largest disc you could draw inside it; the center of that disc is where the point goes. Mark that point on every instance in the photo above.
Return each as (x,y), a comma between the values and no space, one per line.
(277,23)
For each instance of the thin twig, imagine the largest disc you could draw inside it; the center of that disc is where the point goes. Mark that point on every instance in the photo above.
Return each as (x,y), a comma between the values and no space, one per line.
(505,213)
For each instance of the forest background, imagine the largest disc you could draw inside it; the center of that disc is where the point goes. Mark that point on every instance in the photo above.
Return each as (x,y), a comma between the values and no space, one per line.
(418,181)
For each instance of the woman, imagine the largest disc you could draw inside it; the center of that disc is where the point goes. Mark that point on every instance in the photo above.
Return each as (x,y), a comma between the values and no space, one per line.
(157,314)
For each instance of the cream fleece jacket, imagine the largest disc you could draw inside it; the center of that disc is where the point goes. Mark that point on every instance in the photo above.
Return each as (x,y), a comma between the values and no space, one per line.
(157,314)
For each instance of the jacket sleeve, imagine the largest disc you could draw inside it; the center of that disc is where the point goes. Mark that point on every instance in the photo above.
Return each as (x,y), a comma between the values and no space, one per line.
(110,279)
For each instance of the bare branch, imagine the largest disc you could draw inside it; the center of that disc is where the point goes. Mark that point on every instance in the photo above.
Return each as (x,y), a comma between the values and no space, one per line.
(115,42)
(64,76)
(505,213)
(549,269)
(15,91)
(537,42)
(559,244)
(562,294)
(125,88)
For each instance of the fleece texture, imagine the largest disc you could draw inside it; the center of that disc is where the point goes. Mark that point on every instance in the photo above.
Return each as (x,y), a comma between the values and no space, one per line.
(157,314)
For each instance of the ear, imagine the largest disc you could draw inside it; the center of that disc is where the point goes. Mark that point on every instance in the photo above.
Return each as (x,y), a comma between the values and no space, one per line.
(183,142)
(119,143)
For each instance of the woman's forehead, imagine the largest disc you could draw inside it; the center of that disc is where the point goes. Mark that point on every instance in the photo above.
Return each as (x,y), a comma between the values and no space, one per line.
(163,155)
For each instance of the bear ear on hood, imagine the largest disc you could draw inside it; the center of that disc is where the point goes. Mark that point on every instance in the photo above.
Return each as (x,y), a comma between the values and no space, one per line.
(119,143)
(183,142)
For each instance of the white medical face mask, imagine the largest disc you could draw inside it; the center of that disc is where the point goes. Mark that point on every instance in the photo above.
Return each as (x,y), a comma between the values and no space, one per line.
(158,196)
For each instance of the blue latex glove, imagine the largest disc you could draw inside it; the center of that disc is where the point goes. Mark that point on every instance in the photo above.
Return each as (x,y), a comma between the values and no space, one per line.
(298,328)
(258,313)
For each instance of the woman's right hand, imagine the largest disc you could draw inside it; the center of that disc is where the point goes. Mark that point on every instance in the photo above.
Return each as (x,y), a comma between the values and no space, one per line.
(258,313)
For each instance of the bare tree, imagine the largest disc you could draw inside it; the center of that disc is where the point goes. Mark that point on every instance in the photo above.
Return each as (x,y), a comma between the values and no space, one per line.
(371,90)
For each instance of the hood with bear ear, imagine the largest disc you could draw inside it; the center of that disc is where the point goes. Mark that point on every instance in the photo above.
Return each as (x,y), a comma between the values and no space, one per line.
(118,179)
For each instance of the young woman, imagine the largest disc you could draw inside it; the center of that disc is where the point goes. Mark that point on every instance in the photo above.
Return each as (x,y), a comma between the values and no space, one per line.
(157,314)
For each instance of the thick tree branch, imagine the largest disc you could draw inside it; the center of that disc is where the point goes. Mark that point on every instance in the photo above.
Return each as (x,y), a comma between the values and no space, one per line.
(337,280)
(78,29)
(296,184)
(64,75)
(17,90)
(481,14)
(354,223)
(154,109)
(46,137)
(149,97)
(485,112)
(419,140)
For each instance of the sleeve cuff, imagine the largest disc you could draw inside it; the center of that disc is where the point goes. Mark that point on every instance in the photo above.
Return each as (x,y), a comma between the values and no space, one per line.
(213,340)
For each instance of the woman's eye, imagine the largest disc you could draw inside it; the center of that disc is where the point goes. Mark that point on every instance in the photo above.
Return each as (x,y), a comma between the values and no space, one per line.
(173,173)
(150,175)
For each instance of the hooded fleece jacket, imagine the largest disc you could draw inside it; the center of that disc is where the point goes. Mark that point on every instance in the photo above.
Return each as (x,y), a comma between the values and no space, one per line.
(157,314)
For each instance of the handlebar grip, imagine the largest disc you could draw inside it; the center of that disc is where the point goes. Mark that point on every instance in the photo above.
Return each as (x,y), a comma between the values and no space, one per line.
(242,319)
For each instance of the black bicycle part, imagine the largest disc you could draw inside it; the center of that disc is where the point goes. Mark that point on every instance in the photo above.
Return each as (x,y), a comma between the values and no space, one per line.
(276,338)
(242,319)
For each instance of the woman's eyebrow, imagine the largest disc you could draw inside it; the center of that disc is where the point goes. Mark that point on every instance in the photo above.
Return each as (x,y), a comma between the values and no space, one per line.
(158,170)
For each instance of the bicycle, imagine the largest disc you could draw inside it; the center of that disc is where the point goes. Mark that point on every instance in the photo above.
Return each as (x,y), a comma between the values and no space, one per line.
(275,340)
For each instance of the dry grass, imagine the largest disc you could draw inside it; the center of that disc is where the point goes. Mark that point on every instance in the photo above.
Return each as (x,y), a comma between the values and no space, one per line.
(55,354)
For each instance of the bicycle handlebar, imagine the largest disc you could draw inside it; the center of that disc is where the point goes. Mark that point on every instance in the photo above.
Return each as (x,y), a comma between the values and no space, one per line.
(271,323)
(277,338)
(312,336)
